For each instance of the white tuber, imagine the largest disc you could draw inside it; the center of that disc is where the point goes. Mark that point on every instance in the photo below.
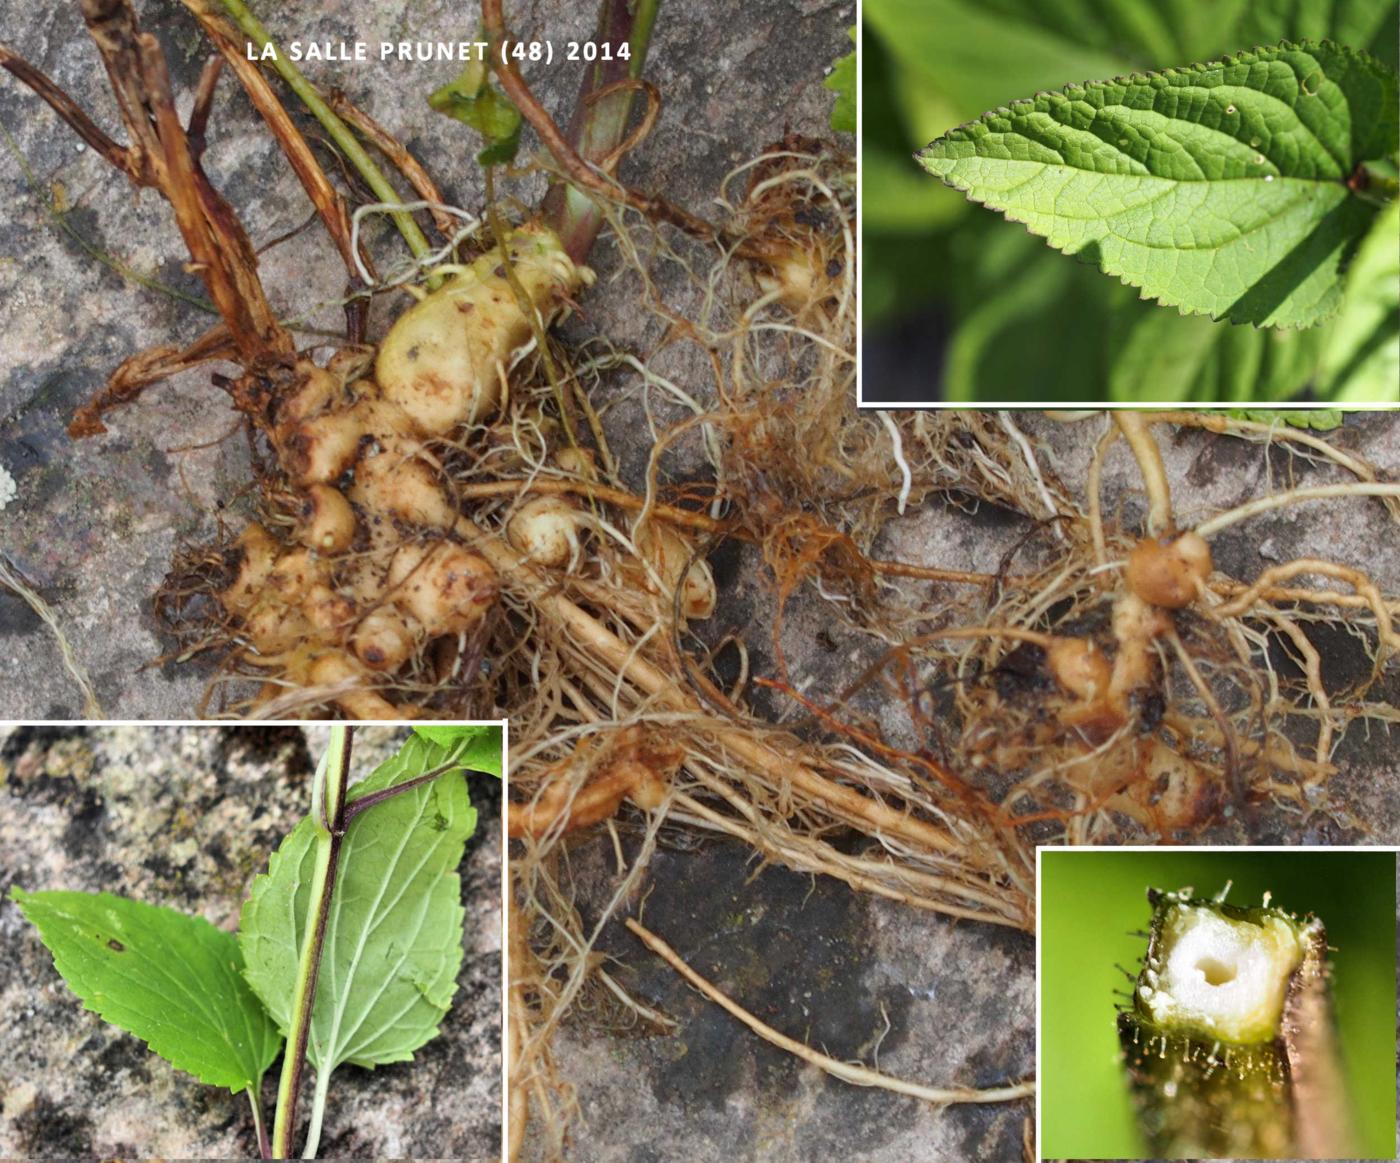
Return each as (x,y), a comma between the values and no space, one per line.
(443,358)
(546,530)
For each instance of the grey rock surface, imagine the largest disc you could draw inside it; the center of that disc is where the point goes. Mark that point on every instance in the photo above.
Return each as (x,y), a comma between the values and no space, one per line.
(186,817)
(920,997)
(95,523)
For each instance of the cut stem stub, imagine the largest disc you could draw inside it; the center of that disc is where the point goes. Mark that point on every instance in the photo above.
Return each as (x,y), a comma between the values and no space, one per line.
(1229,1041)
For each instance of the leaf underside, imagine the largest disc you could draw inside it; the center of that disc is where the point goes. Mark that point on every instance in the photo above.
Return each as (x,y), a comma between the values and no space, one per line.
(173,980)
(475,746)
(394,932)
(842,81)
(1219,189)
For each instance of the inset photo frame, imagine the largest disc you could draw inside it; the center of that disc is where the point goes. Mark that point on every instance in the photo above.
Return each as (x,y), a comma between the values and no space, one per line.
(1185,203)
(1216,1003)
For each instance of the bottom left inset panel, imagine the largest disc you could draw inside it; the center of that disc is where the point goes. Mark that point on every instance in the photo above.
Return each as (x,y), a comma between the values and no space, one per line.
(244,940)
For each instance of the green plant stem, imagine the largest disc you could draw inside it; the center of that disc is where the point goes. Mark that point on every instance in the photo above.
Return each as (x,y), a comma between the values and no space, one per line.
(598,127)
(347,813)
(255,1101)
(318,1110)
(1379,191)
(327,810)
(340,133)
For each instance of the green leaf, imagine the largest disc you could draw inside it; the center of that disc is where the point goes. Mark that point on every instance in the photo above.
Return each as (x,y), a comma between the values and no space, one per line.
(1318,419)
(1361,362)
(471,100)
(475,746)
(173,980)
(1219,189)
(842,81)
(394,930)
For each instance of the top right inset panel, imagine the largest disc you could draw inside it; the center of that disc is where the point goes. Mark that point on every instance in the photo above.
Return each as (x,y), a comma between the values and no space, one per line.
(1129,202)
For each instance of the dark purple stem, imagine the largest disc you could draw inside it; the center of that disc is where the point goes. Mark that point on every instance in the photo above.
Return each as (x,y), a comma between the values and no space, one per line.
(598,127)
(388,793)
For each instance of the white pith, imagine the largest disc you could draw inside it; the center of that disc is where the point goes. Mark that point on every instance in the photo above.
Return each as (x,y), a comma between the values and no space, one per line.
(1219,977)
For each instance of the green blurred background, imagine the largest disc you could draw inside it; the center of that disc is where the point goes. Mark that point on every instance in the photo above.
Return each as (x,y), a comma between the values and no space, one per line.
(1092,899)
(959,304)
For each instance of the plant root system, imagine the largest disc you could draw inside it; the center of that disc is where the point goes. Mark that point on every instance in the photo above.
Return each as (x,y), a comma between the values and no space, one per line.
(443,529)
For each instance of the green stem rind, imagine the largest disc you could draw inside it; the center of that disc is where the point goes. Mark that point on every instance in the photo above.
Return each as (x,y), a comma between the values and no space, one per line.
(328,802)
(255,1101)
(339,132)
(328,795)
(1199,1099)
(318,1110)
(303,999)
(1202,1092)
(1380,191)
(354,808)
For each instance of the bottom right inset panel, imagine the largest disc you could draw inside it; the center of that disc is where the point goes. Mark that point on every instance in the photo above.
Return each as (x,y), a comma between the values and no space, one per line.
(1217,1003)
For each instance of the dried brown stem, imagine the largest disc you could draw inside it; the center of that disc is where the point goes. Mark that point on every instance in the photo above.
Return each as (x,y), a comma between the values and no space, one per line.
(160,157)
(140,371)
(327,200)
(203,103)
(401,157)
(928,573)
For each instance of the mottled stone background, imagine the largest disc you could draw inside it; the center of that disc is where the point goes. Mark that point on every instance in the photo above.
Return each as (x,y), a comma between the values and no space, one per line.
(186,817)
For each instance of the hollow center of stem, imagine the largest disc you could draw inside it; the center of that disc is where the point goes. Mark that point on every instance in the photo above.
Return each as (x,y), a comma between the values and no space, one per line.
(1215,972)
(1221,977)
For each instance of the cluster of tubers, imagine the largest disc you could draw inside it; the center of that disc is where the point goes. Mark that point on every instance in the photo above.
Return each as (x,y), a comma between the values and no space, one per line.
(1161,575)
(1102,722)
(379,564)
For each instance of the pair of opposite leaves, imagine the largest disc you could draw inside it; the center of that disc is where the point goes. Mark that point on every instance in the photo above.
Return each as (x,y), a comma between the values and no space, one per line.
(217,1005)
(1235,189)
